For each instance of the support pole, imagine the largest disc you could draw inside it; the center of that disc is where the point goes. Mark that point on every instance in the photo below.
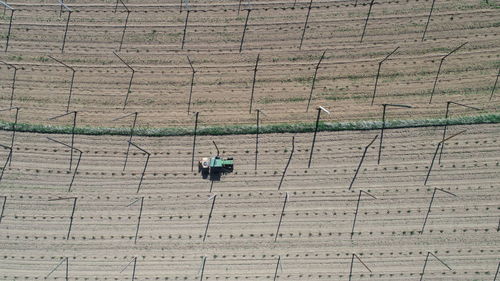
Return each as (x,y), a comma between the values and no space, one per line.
(257,139)
(67,22)
(72,213)
(352,263)
(131,78)
(185,30)
(72,135)
(209,217)
(366,21)
(78,161)
(439,69)
(139,221)
(383,126)
(253,83)
(425,264)
(131,135)
(435,153)
(67,268)
(314,138)
(288,163)
(203,262)
(7,6)
(315,132)
(192,84)
(72,80)
(495,85)
(3,207)
(361,161)
(281,217)
(125,24)
(446,124)
(496,274)
(314,80)
(6,161)
(13,80)
(430,206)
(244,29)
(276,270)
(145,164)
(357,208)
(305,24)
(428,20)
(14,124)
(378,73)
(194,139)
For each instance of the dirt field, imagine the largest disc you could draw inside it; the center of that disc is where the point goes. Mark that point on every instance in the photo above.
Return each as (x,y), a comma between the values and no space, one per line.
(314,241)
(223,80)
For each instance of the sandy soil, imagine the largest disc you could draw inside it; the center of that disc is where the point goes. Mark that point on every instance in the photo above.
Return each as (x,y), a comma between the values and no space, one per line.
(314,241)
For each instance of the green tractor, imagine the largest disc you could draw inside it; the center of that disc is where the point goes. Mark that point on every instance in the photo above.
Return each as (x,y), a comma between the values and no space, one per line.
(216,166)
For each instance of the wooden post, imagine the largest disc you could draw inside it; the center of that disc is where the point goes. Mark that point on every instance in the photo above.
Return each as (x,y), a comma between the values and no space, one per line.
(203,262)
(352,262)
(253,83)
(383,126)
(3,207)
(435,153)
(72,212)
(192,84)
(305,24)
(357,208)
(281,217)
(13,81)
(209,216)
(439,69)
(131,78)
(185,29)
(314,80)
(196,114)
(428,20)
(72,134)
(315,132)
(378,73)
(494,86)
(361,161)
(425,264)
(125,24)
(288,163)
(67,22)
(5,5)
(366,21)
(145,164)
(276,270)
(72,80)
(244,29)
(257,139)
(430,206)
(446,124)
(131,135)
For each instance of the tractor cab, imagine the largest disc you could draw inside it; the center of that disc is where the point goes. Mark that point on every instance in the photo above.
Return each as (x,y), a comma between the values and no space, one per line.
(216,166)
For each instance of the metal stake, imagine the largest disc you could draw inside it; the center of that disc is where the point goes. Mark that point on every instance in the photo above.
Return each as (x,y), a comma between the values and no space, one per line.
(131,78)
(425,264)
(383,126)
(185,29)
(192,84)
(3,207)
(352,262)
(495,85)
(72,80)
(13,81)
(276,270)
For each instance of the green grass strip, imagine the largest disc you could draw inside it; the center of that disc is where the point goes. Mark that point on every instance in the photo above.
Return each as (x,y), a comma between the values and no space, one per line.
(251,129)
